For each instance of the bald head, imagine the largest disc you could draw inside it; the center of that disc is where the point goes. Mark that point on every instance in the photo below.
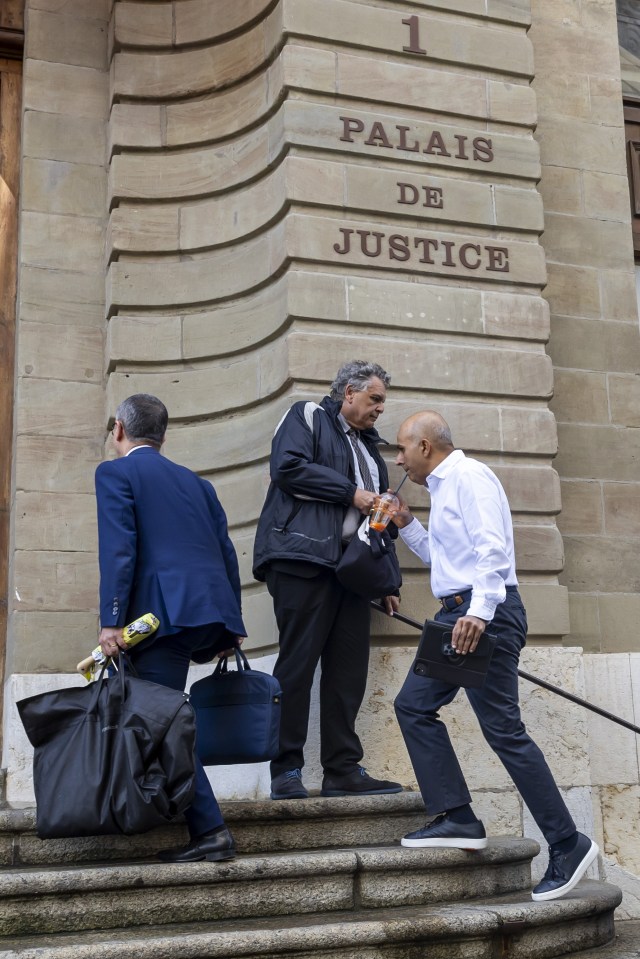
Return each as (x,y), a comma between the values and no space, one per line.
(424,440)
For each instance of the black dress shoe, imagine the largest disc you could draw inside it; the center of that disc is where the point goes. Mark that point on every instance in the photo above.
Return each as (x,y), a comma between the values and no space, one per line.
(215,846)
(288,785)
(357,783)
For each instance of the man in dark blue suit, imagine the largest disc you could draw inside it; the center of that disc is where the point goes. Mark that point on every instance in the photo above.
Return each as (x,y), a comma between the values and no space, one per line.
(164,549)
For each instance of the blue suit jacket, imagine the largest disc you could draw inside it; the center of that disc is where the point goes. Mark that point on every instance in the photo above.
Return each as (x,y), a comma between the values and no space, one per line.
(164,546)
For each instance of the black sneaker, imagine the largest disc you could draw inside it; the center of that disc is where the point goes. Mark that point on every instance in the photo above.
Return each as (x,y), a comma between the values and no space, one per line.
(443,832)
(565,870)
(288,785)
(357,783)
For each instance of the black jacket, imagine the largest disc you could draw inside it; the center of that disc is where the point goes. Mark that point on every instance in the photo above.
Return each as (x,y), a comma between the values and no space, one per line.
(312,486)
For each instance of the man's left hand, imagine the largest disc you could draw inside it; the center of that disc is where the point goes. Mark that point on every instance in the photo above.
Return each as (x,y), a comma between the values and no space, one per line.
(466,634)
(229,652)
(391,604)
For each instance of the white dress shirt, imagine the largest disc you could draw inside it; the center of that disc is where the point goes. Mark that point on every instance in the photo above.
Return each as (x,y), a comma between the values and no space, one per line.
(469,541)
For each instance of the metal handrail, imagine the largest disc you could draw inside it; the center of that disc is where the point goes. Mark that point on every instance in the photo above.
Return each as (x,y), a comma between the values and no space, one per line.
(532,679)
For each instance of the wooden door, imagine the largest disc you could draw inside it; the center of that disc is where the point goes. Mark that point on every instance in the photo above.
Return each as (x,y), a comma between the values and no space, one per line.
(11,45)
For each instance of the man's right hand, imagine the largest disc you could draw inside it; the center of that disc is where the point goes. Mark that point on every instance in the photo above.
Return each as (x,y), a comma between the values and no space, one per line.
(363,500)
(404,516)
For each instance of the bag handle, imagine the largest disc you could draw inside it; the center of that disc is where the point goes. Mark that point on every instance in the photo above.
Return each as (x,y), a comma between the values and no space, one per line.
(242,663)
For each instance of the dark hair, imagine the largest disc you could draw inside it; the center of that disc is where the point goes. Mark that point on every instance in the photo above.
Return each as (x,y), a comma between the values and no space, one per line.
(357,374)
(143,417)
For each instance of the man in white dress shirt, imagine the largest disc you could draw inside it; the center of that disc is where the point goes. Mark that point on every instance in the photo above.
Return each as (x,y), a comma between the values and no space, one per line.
(469,547)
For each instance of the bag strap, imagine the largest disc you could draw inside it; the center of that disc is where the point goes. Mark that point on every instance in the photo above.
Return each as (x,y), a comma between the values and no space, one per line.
(242,663)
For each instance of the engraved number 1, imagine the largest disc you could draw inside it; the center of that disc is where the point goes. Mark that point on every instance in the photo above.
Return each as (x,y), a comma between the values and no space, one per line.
(414,36)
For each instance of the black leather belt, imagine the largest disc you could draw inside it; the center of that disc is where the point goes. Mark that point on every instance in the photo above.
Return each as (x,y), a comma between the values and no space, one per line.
(455,599)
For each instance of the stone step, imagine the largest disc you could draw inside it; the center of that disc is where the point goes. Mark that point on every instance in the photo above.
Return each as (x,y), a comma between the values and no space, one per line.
(56,899)
(263,826)
(483,930)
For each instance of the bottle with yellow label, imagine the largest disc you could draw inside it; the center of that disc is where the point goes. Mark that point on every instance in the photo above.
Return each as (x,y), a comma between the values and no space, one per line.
(132,634)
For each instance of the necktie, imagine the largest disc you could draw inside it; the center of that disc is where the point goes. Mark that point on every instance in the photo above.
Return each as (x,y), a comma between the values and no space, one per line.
(363,466)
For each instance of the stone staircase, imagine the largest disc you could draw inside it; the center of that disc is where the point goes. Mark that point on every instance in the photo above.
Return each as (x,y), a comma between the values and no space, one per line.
(321,877)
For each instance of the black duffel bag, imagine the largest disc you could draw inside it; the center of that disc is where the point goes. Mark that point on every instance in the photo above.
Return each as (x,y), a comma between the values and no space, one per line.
(369,565)
(114,757)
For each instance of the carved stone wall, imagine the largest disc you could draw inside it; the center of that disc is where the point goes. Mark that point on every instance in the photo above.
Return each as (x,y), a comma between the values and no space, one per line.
(313,182)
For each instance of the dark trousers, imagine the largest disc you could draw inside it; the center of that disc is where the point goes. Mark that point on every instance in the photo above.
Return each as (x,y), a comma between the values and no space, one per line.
(319,620)
(166,662)
(497,709)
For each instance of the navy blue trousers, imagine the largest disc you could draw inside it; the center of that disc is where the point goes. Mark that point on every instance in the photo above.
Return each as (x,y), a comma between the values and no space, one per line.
(166,661)
(497,709)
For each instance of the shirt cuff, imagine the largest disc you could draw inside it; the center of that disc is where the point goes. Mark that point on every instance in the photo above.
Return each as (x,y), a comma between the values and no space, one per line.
(482,608)
(412,533)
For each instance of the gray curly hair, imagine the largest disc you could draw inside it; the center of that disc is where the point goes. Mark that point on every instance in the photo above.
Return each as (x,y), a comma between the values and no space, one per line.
(357,374)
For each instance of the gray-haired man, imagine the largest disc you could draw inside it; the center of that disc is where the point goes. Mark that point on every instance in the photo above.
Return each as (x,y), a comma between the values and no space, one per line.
(325,473)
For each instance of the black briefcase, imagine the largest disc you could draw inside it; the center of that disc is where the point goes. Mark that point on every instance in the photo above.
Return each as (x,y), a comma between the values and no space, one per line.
(437,659)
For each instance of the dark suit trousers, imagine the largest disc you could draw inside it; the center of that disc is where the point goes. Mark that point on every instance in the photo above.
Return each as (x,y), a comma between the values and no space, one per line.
(319,620)
(166,661)
(497,709)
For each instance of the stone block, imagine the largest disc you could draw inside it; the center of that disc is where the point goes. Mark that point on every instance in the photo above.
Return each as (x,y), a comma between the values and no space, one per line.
(512,103)
(622,510)
(585,626)
(54,581)
(56,463)
(55,352)
(242,493)
(601,564)
(624,399)
(190,173)
(56,521)
(356,243)
(259,620)
(606,196)
(56,242)
(529,489)
(308,68)
(143,228)
(572,291)
(195,70)
(519,209)
(59,408)
(137,125)
(598,452)
(59,37)
(579,396)
(78,9)
(144,338)
(572,49)
(608,685)
(547,609)
(604,93)
(397,303)
(565,95)
(514,314)
(569,142)
(619,295)
(582,510)
(561,190)
(62,297)
(517,421)
(195,23)
(586,242)
(368,130)
(616,614)
(587,344)
(50,641)
(53,136)
(538,548)
(252,320)
(63,88)
(457,41)
(620,811)
(415,363)
(141,24)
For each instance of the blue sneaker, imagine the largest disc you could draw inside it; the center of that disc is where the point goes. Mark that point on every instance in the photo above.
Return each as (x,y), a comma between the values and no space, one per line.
(444,833)
(288,785)
(565,870)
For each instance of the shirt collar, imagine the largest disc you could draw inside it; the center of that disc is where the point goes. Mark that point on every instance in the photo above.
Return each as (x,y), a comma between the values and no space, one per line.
(443,469)
(343,423)
(142,446)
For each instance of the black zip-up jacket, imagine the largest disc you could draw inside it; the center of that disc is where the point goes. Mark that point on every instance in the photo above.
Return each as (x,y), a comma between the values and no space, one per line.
(312,486)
